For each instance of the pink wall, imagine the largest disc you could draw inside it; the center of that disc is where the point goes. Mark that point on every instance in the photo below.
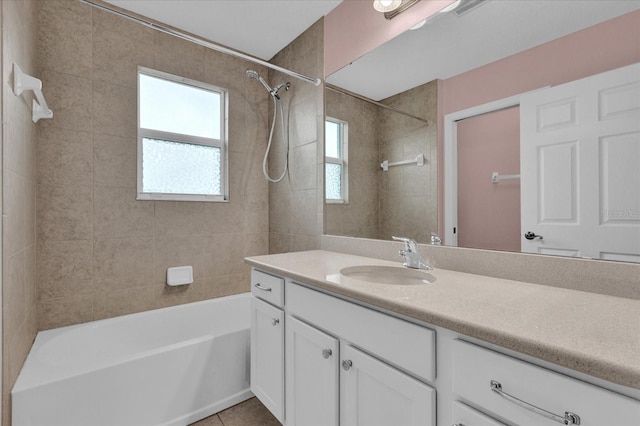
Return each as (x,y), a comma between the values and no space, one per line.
(355,28)
(606,46)
(489,213)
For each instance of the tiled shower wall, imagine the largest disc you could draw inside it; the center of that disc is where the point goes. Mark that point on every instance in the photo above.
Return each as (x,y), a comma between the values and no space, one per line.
(295,217)
(359,217)
(101,253)
(19,313)
(409,194)
(403,200)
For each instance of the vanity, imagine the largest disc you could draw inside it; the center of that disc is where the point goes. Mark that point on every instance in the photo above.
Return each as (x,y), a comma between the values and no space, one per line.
(332,348)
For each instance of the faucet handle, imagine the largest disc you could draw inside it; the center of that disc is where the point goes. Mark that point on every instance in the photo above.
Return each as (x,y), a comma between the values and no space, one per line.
(409,244)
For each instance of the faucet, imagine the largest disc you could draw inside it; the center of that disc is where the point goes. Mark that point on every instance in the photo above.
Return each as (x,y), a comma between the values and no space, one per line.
(412,258)
(435,239)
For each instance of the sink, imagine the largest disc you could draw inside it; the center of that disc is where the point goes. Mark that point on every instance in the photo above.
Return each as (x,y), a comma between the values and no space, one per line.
(387,275)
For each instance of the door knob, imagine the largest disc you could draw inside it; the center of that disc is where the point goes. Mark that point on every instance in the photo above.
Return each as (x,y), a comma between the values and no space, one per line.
(530,236)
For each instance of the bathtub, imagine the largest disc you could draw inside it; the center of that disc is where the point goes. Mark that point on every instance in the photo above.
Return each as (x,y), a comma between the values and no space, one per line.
(170,366)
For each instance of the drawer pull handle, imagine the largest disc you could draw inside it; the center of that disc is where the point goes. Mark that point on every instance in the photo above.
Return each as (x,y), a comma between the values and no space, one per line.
(326,353)
(568,419)
(260,287)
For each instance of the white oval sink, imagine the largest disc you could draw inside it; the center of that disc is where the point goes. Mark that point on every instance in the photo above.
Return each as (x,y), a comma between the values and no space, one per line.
(388,275)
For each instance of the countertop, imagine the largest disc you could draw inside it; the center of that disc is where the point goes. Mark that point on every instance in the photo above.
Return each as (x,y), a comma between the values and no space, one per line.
(591,333)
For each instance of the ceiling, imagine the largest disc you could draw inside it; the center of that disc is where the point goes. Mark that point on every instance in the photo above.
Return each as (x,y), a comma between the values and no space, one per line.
(257,27)
(449,44)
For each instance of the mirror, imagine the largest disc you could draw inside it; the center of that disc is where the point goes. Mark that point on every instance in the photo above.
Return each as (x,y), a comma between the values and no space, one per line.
(421,73)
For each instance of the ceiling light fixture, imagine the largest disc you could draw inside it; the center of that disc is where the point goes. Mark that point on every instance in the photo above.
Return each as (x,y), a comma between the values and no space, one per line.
(419,25)
(393,8)
(386,5)
(451,6)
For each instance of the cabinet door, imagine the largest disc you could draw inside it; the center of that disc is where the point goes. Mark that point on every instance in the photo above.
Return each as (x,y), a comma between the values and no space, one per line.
(312,376)
(374,394)
(267,356)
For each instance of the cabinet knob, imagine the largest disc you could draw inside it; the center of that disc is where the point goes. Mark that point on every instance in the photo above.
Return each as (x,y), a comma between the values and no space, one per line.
(346,364)
(458,424)
(326,353)
(275,321)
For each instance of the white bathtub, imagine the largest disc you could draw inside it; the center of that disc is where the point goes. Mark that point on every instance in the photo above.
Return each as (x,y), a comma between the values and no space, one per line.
(169,366)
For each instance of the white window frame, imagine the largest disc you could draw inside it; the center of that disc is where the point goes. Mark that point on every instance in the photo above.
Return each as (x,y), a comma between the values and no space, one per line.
(342,161)
(221,143)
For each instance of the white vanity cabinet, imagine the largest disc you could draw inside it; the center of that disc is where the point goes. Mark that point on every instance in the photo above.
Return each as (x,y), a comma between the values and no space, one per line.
(529,395)
(373,393)
(349,365)
(312,375)
(267,342)
(352,366)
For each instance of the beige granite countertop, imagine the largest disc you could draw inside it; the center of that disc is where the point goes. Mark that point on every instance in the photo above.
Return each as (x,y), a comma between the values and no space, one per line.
(591,333)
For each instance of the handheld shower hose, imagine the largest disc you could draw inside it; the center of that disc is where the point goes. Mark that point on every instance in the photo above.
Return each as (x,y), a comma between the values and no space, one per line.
(276,103)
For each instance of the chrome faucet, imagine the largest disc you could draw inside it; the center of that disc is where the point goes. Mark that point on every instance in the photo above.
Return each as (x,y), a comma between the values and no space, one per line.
(412,258)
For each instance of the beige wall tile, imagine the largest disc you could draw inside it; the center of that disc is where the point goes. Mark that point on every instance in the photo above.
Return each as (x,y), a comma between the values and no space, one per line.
(225,218)
(122,263)
(117,214)
(116,57)
(226,285)
(224,255)
(114,161)
(179,251)
(114,110)
(257,213)
(14,220)
(304,124)
(70,97)
(173,218)
(65,268)
(303,222)
(256,244)
(115,302)
(166,296)
(178,57)
(106,21)
(64,212)
(303,167)
(279,242)
(14,309)
(53,313)
(62,24)
(64,157)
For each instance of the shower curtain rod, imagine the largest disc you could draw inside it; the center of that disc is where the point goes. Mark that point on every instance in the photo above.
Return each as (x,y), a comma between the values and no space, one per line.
(376,103)
(203,42)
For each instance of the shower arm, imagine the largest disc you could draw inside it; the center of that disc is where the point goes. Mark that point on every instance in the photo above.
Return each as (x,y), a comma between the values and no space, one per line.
(203,42)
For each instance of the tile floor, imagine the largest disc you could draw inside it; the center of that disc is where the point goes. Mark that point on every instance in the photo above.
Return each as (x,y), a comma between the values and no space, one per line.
(248,413)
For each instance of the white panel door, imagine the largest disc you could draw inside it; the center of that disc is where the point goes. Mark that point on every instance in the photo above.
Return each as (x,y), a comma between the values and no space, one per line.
(374,394)
(267,356)
(580,167)
(312,376)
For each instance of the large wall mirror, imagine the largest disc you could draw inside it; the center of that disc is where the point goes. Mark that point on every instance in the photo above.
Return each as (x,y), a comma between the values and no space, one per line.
(387,113)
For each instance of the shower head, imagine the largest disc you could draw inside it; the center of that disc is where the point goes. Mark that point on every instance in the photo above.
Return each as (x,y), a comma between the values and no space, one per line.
(273,92)
(253,74)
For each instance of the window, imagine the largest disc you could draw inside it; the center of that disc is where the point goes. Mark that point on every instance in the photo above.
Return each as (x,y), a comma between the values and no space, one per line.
(335,161)
(182,139)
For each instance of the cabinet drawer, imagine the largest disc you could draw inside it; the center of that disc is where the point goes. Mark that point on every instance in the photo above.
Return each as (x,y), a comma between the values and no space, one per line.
(401,343)
(267,287)
(463,415)
(474,369)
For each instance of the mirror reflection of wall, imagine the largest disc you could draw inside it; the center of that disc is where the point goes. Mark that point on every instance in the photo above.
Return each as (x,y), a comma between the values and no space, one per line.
(403,199)
(475,65)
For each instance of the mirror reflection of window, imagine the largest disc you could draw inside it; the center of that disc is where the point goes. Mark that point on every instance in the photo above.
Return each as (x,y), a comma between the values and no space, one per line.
(336,182)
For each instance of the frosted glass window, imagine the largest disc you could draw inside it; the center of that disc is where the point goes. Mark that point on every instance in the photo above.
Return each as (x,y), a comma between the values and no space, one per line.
(335,160)
(180,168)
(333,181)
(182,144)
